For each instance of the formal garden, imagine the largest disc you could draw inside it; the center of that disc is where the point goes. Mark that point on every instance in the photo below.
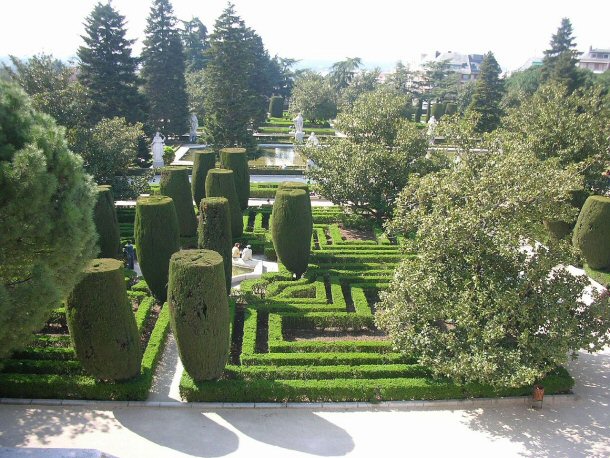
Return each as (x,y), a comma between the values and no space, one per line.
(428,235)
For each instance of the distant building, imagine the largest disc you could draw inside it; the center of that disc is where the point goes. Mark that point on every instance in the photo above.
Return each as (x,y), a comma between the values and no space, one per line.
(597,60)
(466,65)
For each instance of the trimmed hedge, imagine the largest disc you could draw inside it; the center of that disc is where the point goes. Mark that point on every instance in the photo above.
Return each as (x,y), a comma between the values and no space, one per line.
(450,108)
(215,231)
(175,184)
(101,323)
(291,229)
(107,224)
(592,232)
(220,183)
(203,162)
(276,106)
(236,159)
(199,312)
(157,238)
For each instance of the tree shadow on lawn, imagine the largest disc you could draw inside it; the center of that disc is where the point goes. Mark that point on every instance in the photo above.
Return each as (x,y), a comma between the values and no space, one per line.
(579,429)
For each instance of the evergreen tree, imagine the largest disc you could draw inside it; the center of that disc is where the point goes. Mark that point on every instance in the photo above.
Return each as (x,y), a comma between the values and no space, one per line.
(488,94)
(237,81)
(163,70)
(560,62)
(107,68)
(194,41)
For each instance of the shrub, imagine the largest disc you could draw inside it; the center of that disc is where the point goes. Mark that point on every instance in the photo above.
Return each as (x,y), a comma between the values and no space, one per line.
(592,232)
(106,224)
(157,238)
(102,326)
(203,161)
(291,229)
(199,312)
(175,184)
(276,106)
(451,109)
(561,229)
(215,231)
(168,155)
(438,110)
(236,159)
(219,183)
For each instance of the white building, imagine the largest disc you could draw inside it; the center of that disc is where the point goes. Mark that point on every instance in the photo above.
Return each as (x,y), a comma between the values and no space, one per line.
(597,60)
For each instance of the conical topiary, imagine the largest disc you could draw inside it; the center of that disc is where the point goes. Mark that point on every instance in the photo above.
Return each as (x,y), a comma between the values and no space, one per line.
(175,184)
(215,231)
(199,312)
(203,162)
(219,183)
(107,224)
(236,159)
(157,238)
(101,323)
(291,229)
(592,232)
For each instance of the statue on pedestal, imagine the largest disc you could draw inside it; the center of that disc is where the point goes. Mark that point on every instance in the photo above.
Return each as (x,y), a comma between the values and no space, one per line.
(432,123)
(194,126)
(298,124)
(158,144)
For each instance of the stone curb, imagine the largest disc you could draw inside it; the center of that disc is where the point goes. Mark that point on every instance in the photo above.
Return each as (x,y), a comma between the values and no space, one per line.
(557,400)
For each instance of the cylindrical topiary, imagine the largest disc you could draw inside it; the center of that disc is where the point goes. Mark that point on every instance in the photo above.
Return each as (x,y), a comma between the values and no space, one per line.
(157,238)
(199,312)
(592,232)
(296,185)
(291,228)
(203,162)
(175,184)
(451,108)
(419,110)
(101,323)
(276,106)
(561,229)
(107,224)
(219,183)
(236,159)
(215,231)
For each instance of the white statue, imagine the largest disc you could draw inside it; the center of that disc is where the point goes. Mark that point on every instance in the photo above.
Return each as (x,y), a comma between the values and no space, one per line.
(158,144)
(313,140)
(432,122)
(246,254)
(298,123)
(194,126)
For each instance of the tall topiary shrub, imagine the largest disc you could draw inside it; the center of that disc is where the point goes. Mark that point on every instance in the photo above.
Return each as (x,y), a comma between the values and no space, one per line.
(203,162)
(107,224)
(236,159)
(291,229)
(276,106)
(175,184)
(296,185)
(561,229)
(199,312)
(219,183)
(451,108)
(157,238)
(215,231)
(101,323)
(592,232)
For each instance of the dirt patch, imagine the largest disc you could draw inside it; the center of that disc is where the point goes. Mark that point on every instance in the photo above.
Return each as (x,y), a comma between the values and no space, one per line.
(357,234)
(238,335)
(330,335)
(149,325)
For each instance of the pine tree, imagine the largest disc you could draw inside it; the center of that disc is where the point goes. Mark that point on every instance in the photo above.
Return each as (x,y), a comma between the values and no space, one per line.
(107,68)
(488,94)
(194,41)
(163,70)
(560,62)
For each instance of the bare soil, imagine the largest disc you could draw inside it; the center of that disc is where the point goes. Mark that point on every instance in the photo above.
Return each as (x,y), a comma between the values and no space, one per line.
(357,234)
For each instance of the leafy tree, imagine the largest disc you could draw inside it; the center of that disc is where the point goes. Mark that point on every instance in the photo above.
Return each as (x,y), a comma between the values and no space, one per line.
(107,69)
(194,42)
(561,60)
(402,79)
(479,304)
(488,94)
(523,83)
(313,96)
(363,82)
(342,73)
(284,79)
(437,82)
(163,70)
(46,218)
(196,92)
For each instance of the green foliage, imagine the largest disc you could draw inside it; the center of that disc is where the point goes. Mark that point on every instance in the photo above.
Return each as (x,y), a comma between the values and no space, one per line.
(313,97)
(46,218)
(592,232)
(196,92)
(102,326)
(157,237)
(276,106)
(220,183)
(175,184)
(163,70)
(107,70)
(194,42)
(450,109)
(363,82)
(203,162)
(168,155)
(488,94)
(199,312)
(438,110)
(291,229)
(215,231)
(106,224)
(520,85)
(236,159)
(561,60)
(342,73)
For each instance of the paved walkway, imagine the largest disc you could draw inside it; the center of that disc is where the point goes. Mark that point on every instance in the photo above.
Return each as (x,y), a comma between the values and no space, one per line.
(579,429)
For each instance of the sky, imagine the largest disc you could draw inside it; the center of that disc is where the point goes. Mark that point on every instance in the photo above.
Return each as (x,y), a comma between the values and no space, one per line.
(319,33)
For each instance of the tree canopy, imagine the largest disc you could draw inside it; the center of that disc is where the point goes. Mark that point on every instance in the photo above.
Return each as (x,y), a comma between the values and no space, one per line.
(488,94)
(194,42)
(313,97)
(561,60)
